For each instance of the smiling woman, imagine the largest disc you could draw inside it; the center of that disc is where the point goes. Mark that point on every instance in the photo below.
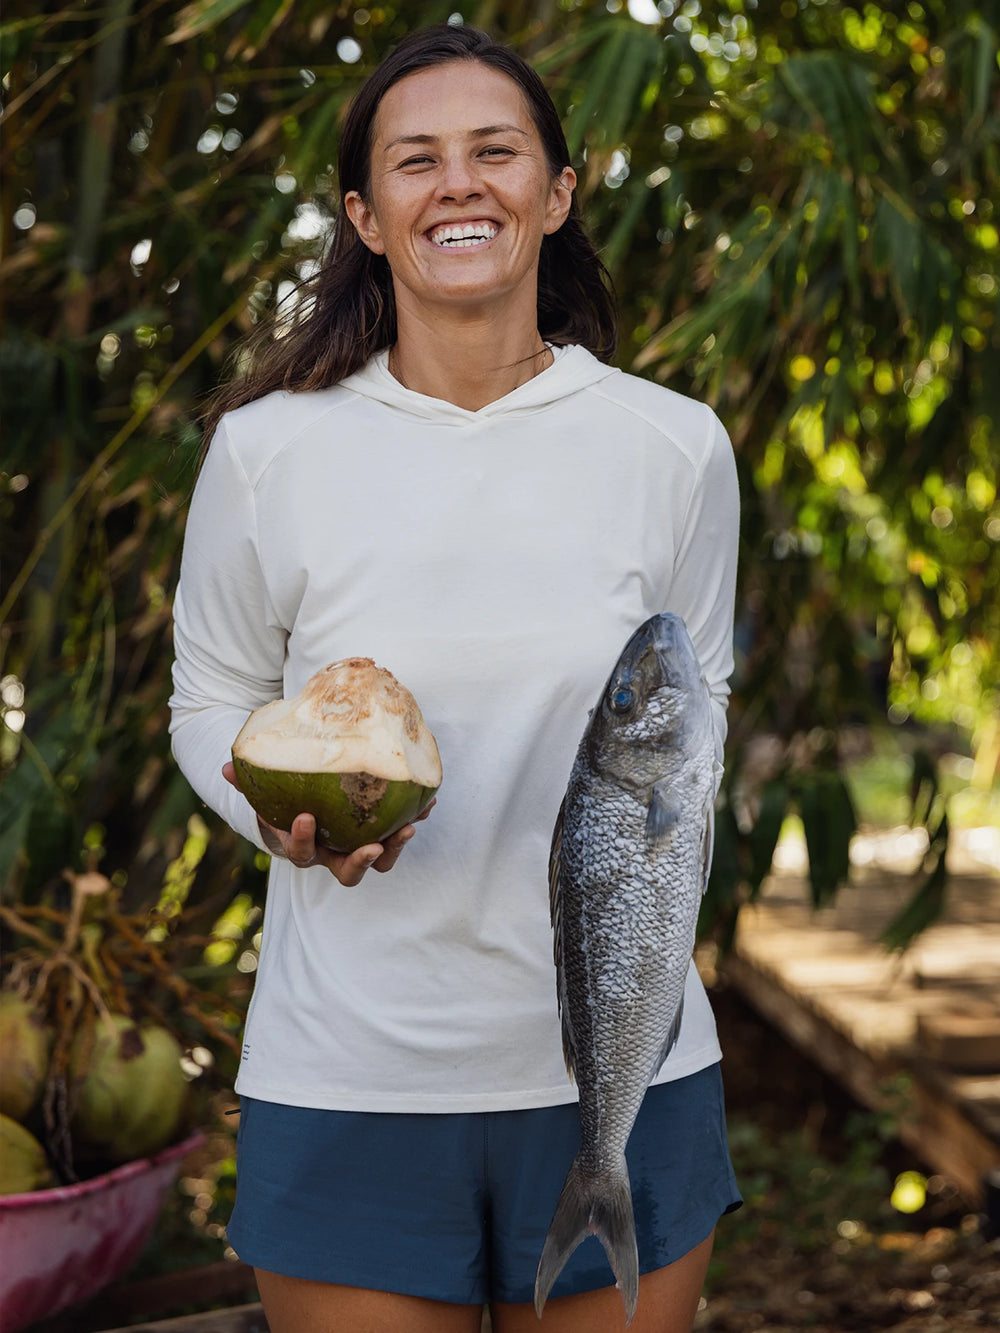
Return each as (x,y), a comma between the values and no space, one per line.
(459,208)
(434,466)
(351,313)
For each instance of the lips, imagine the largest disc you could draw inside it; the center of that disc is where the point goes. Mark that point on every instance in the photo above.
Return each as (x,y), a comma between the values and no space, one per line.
(462,235)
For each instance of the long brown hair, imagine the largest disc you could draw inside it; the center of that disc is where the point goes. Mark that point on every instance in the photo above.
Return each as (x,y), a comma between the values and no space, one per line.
(348,312)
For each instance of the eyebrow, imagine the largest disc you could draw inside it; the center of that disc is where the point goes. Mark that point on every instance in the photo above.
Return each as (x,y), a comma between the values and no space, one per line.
(486,132)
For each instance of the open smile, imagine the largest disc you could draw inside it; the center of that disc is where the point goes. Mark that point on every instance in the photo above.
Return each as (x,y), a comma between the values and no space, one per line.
(463,236)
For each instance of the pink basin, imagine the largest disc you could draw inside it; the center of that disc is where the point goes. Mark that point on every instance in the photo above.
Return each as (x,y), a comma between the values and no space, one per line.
(62,1245)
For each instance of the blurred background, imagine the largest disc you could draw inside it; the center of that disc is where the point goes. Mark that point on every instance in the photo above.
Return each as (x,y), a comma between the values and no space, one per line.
(799,204)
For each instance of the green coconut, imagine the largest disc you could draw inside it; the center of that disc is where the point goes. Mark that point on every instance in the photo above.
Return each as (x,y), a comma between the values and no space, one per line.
(24,1055)
(352,749)
(23,1164)
(131,1093)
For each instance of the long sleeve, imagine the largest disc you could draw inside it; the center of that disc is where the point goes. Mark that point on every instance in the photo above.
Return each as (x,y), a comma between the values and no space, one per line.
(495,562)
(229,647)
(703,588)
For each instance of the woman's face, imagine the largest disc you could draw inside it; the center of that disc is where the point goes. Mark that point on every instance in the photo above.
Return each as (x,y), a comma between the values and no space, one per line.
(461,192)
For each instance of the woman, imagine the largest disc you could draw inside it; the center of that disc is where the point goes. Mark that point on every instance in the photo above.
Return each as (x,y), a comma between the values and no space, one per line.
(437,469)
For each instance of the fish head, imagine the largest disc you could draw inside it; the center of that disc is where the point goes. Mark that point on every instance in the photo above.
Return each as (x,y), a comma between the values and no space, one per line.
(654,707)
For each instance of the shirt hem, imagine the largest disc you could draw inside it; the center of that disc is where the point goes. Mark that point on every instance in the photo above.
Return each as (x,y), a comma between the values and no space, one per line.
(353,1099)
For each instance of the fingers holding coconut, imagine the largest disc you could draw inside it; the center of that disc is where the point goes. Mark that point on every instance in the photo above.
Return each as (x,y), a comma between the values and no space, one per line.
(299,844)
(394,845)
(301,848)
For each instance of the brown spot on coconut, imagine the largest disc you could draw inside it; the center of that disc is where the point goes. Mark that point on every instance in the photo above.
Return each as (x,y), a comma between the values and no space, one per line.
(352,749)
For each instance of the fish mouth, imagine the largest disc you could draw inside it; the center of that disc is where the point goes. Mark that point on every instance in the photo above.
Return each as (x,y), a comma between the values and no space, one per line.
(463,235)
(660,650)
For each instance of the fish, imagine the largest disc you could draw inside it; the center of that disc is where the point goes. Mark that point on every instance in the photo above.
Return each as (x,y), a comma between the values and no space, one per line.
(627,869)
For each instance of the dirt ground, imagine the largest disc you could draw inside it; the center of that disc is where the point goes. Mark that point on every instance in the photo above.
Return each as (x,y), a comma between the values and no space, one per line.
(818,1246)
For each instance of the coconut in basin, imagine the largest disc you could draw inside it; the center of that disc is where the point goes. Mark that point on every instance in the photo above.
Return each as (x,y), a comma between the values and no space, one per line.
(130,1090)
(23,1164)
(24,1055)
(352,749)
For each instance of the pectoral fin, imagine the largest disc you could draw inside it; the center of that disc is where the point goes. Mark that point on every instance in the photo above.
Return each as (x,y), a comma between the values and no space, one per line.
(662,819)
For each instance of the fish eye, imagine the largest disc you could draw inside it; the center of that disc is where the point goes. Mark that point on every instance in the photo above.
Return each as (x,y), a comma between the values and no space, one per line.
(622,699)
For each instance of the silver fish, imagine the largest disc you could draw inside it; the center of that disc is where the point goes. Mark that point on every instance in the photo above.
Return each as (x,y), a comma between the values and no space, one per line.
(628,866)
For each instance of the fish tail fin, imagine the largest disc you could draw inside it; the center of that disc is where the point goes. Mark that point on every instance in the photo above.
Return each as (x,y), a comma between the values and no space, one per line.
(593,1204)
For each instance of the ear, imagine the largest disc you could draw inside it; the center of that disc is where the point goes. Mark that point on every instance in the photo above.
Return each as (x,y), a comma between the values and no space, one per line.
(560,200)
(364,220)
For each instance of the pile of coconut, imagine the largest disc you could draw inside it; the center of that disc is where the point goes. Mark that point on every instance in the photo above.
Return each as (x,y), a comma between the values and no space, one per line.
(126,1087)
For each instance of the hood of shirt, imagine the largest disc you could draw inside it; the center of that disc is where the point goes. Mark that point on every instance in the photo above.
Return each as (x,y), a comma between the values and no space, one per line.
(573,368)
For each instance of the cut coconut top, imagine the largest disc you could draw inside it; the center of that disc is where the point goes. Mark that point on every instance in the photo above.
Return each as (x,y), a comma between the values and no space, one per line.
(351,717)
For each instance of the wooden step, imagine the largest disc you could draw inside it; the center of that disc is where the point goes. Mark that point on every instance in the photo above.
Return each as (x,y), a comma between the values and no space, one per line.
(967,1041)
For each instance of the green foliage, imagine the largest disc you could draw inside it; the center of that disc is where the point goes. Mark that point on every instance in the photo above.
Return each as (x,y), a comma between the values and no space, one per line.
(798,204)
(748,825)
(930,810)
(793,1188)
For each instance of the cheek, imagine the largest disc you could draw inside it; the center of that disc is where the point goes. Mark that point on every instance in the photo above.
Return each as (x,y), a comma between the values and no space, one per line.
(397,214)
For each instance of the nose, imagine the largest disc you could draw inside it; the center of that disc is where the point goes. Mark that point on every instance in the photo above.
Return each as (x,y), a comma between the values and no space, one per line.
(459,181)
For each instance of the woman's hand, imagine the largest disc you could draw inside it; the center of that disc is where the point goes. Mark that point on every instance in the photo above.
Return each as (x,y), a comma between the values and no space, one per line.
(300,847)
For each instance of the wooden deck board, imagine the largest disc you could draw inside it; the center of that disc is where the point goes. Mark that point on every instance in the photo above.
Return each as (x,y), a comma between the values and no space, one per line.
(824,980)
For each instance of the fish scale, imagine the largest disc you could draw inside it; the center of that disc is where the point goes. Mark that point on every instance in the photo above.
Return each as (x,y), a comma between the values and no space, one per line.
(626,875)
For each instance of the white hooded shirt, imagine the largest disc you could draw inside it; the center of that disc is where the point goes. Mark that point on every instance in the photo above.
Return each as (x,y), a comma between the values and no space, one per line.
(496,562)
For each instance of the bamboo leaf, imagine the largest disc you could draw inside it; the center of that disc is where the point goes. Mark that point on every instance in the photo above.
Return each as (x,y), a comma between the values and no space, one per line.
(924,786)
(829,822)
(16,38)
(12,835)
(48,842)
(29,786)
(638,57)
(823,190)
(836,406)
(849,237)
(896,250)
(977,47)
(202,16)
(720,904)
(617,247)
(774,803)
(612,82)
(266,17)
(927,903)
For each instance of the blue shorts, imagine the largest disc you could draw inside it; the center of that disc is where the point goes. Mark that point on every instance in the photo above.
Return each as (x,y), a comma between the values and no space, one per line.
(455,1207)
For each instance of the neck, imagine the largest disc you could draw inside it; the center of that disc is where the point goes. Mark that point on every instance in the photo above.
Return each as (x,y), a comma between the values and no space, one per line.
(470,363)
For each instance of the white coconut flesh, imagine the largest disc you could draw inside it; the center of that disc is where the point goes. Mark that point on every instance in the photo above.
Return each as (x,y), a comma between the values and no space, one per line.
(351,717)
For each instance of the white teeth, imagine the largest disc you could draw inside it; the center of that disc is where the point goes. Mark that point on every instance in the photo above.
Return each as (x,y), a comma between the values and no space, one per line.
(458,237)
